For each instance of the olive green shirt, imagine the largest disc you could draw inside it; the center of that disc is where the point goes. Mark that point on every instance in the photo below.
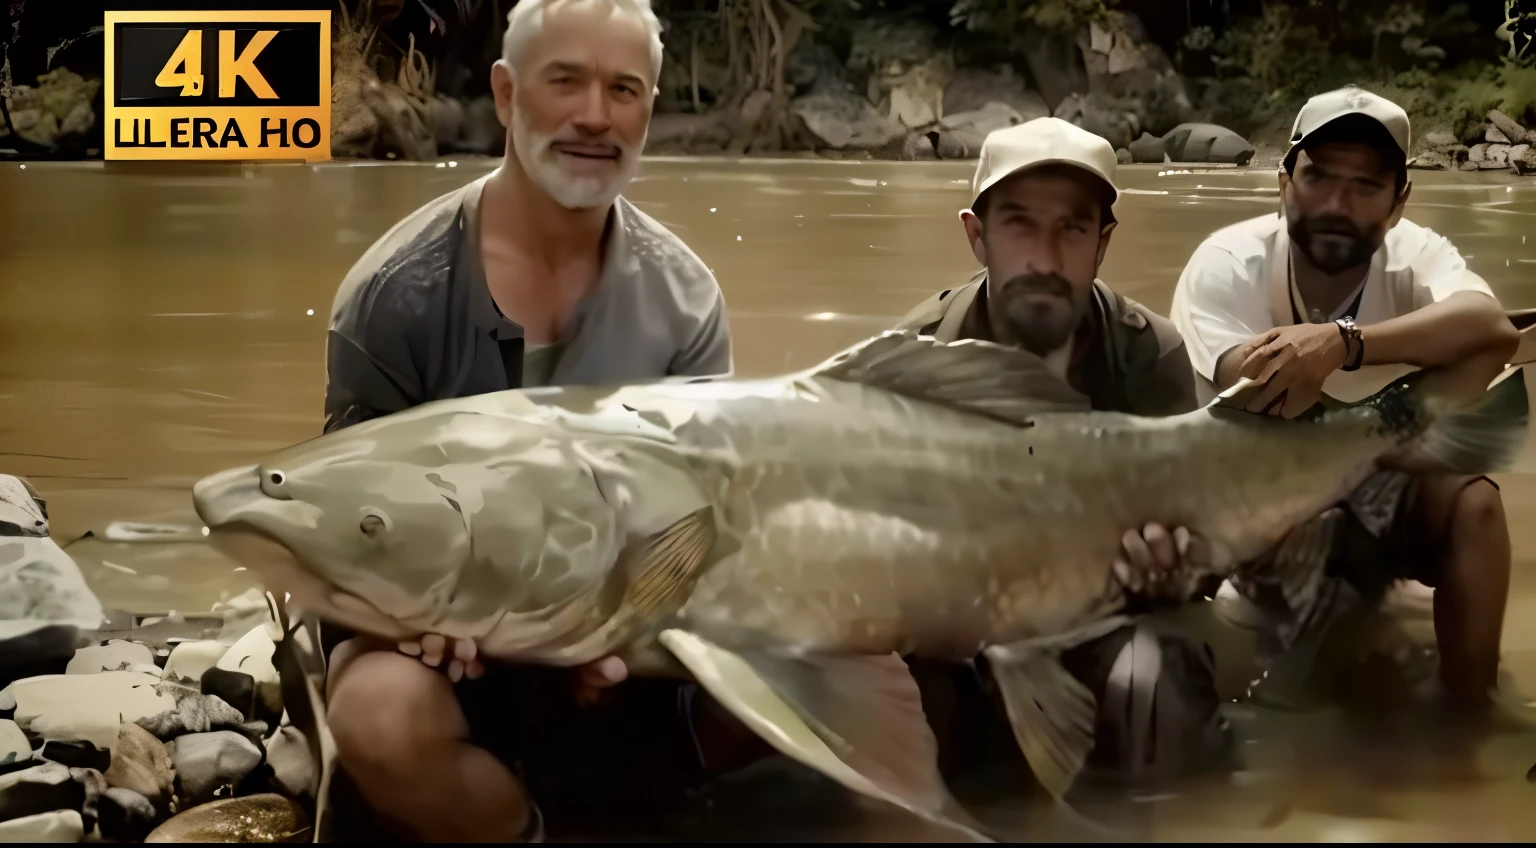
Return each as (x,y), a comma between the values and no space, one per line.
(1126,358)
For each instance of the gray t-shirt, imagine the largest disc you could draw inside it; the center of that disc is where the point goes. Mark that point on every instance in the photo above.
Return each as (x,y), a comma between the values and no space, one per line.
(413,321)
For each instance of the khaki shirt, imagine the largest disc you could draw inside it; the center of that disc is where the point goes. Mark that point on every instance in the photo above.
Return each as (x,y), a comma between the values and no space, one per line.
(1127,358)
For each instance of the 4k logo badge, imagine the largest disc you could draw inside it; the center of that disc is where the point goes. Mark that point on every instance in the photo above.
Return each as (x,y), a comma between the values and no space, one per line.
(218,85)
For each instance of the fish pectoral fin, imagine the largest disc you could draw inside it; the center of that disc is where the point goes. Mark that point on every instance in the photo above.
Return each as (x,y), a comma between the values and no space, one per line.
(857,719)
(1052,714)
(989,379)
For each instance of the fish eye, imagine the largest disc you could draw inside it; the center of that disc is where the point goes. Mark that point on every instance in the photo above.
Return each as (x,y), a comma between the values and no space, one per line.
(373,525)
(277,478)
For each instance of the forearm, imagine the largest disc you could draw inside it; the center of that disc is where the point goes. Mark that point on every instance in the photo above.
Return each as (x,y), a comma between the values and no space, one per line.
(1229,368)
(1464,327)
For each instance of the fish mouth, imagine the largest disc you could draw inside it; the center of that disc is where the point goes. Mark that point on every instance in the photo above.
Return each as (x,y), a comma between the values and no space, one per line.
(225,497)
(284,575)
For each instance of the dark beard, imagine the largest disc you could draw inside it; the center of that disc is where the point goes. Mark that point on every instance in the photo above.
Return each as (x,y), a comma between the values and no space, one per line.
(1039,326)
(1328,255)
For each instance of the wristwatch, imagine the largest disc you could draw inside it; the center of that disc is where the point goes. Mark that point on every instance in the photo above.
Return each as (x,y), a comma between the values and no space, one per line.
(1352,342)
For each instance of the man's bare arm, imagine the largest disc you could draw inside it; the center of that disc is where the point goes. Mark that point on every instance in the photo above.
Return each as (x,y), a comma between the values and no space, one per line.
(1464,328)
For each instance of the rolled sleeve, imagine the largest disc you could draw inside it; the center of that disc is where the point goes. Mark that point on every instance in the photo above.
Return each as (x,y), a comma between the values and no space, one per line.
(708,353)
(1218,304)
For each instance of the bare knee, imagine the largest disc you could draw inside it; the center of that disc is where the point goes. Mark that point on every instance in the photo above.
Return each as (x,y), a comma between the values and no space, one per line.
(387,710)
(1478,513)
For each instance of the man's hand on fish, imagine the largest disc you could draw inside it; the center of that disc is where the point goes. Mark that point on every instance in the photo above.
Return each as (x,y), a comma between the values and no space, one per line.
(1292,363)
(1160,564)
(592,679)
(461,654)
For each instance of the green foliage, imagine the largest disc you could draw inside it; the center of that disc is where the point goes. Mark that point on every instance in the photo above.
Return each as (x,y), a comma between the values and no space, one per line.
(1001,16)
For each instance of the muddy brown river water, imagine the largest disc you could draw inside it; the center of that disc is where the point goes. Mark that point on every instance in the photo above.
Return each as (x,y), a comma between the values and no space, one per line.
(158,323)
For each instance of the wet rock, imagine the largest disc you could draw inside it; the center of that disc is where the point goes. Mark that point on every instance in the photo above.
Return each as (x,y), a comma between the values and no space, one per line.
(92,784)
(1477,153)
(14,747)
(293,769)
(57,112)
(193,712)
(918,147)
(208,763)
(235,688)
(254,818)
(1122,156)
(1493,136)
(844,121)
(7,701)
(686,133)
(188,660)
(1097,117)
(115,655)
(1147,149)
(52,827)
(1055,64)
(45,604)
(142,765)
(1206,143)
(960,135)
(74,707)
(1468,165)
(916,94)
(40,789)
(252,655)
(1522,158)
(77,755)
(125,815)
(1508,128)
(1431,160)
(1440,140)
(972,89)
(1495,158)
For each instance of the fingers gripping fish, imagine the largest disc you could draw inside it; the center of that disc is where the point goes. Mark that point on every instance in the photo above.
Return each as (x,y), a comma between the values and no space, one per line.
(786,541)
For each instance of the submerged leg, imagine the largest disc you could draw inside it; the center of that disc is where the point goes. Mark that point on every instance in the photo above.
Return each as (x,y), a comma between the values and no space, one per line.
(1473,583)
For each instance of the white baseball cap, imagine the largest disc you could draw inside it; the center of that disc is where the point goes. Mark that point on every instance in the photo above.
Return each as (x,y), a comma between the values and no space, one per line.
(1044,141)
(1351,100)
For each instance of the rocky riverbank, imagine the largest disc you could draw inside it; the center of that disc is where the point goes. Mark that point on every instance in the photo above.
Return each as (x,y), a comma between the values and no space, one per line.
(120,728)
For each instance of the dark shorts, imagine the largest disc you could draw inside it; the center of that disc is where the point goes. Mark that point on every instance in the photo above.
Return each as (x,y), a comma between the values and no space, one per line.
(591,770)
(1386,538)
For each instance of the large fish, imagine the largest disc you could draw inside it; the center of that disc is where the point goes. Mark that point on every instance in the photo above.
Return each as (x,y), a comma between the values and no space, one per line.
(788,540)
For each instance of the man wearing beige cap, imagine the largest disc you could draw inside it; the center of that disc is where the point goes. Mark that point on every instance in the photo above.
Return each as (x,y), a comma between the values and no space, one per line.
(1339,295)
(1040,221)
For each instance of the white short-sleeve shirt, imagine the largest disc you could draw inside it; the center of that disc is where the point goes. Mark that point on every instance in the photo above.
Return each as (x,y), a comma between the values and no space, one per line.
(1237,286)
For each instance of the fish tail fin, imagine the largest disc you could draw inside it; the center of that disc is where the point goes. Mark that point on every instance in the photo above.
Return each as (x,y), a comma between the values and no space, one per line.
(1481,438)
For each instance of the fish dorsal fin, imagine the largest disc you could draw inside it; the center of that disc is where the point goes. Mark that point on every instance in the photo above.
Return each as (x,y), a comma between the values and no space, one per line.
(989,379)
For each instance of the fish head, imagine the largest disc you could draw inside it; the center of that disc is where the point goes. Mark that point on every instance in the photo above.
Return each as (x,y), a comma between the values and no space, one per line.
(419,525)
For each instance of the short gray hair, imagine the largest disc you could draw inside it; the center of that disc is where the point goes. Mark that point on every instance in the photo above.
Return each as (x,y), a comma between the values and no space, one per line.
(526,20)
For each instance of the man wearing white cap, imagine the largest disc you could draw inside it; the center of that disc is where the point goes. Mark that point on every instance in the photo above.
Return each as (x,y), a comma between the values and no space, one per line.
(1339,295)
(1040,221)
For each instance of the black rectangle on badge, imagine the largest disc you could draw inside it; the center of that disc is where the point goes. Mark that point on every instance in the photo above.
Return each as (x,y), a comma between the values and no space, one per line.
(290,64)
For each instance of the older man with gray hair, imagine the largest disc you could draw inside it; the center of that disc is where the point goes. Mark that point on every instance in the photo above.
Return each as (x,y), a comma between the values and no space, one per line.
(539,273)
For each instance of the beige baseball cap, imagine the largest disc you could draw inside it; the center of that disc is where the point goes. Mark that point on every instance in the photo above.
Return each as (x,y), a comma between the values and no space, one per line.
(1351,100)
(1043,141)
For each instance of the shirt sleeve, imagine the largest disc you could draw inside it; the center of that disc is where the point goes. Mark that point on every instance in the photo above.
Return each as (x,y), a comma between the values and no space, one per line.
(708,353)
(1217,306)
(1439,271)
(369,370)
(1171,385)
